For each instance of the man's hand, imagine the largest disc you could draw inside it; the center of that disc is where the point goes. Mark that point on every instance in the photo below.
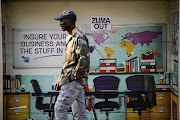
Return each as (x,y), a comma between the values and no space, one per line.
(57,87)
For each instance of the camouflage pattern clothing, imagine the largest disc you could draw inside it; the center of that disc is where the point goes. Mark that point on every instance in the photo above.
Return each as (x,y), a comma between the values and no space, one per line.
(77,59)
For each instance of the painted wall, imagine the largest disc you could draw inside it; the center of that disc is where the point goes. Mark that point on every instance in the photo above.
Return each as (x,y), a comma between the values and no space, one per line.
(40,14)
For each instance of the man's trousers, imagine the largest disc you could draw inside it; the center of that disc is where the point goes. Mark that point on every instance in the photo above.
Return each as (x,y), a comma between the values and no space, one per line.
(71,94)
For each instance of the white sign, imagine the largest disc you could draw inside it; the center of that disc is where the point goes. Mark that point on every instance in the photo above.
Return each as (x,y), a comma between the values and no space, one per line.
(100,23)
(38,48)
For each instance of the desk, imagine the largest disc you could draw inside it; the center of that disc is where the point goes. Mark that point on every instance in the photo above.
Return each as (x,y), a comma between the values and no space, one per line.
(91,94)
(52,94)
(161,111)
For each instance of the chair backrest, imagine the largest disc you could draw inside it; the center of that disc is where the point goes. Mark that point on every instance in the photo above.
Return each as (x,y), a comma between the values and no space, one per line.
(144,83)
(135,83)
(106,84)
(37,89)
(35,86)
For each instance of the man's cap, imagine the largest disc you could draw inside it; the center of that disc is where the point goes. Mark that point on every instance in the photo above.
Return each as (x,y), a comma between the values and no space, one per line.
(67,14)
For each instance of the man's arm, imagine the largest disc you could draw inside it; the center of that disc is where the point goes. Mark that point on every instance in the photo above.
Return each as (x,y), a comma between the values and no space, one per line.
(82,53)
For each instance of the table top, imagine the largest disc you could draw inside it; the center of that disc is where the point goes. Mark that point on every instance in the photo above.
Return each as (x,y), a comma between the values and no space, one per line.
(54,93)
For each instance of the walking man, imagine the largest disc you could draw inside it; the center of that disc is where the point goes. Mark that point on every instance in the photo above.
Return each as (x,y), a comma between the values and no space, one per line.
(74,75)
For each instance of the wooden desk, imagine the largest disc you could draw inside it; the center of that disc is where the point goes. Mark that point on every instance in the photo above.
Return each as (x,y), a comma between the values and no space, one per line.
(88,93)
(161,111)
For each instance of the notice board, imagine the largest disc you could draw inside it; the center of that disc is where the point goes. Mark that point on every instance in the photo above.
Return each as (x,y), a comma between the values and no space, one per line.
(38,48)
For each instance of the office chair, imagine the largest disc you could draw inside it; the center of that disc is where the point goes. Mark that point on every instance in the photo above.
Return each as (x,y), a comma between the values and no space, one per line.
(146,98)
(106,84)
(39,100)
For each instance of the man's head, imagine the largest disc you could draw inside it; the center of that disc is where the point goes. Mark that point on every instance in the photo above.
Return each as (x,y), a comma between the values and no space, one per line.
(67,20)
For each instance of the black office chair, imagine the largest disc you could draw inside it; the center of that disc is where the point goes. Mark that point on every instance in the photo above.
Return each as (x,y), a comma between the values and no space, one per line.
(106,84)
(49,108)
(144,86)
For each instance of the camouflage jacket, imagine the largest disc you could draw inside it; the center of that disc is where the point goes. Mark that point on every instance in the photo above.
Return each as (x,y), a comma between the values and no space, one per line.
(77,59)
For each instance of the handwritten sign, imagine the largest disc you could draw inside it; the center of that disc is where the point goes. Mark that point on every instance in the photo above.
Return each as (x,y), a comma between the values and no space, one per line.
(100,23)
(39,48)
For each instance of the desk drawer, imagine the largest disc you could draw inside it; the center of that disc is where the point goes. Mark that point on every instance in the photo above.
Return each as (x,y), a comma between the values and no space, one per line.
(163,98)
(18,111)
(17,100)
(18,117)
(161,109)
(18,114)
(160,116)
